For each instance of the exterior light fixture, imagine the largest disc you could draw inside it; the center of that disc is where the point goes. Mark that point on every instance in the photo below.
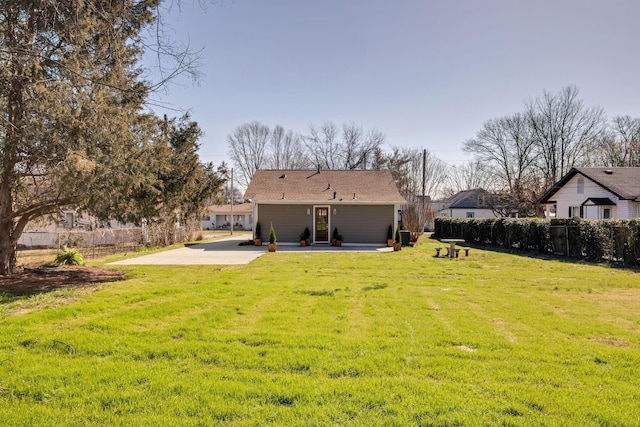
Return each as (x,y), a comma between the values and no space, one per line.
(308,211)
(335,212)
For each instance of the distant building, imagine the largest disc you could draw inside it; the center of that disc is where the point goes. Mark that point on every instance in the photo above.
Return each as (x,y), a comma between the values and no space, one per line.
(466,204)
(220,217)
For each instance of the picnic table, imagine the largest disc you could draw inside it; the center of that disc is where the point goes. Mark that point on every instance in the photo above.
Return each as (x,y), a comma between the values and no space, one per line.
(452,245)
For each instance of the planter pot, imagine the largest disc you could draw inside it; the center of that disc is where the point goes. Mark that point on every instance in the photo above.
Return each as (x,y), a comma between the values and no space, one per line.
(338,242)
(397,246)
(307,242)
(272,247)
(257,242)
(303,243)
(390,242)
(333,242)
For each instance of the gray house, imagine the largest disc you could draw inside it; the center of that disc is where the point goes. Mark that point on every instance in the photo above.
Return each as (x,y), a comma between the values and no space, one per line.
(361,204)
(467,204)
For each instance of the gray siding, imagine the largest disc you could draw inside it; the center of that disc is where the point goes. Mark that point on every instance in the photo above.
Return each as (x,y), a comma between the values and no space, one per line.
(362,224)
(288,221)
(356,223)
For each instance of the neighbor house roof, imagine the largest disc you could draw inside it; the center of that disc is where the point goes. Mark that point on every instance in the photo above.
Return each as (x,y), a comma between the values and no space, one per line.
(225,209)
(324,186)
(622,182)
(467,199)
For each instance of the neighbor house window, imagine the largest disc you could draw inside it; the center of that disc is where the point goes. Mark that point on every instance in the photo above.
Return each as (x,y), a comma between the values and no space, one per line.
(470,214)
(606,213)
(580,185)
(574,212)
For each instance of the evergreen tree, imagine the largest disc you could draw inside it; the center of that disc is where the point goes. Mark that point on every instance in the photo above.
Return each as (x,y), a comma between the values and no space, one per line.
(72,127)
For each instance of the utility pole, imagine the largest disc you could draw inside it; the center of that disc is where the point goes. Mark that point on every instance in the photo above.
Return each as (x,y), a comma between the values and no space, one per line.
(232,201)
(424,175)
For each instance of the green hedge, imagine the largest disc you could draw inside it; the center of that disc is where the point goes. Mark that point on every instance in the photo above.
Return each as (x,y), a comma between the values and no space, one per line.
(613,240)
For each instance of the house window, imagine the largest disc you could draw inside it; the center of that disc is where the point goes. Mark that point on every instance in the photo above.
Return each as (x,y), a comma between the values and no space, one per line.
(69,223)
(606,213)
(580,185)
(470,214)
(574,212)
(480,199)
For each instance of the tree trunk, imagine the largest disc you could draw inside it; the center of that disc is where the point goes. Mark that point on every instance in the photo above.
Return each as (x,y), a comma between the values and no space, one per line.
(8,247)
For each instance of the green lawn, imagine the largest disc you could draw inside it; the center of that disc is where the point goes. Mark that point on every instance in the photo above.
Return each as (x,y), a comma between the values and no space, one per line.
(399,338)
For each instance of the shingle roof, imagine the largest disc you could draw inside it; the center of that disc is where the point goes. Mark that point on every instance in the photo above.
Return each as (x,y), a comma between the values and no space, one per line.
(241,208)
(467,199)
(326,186)
(623,182)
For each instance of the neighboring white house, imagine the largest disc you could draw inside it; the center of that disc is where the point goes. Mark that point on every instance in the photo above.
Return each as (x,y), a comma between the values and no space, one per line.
(466,204)
(219,217)
(595,193)
(68,225)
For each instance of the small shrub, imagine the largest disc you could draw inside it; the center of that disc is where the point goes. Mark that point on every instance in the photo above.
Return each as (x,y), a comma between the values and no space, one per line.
(69,256)
(258,231)
(272,234)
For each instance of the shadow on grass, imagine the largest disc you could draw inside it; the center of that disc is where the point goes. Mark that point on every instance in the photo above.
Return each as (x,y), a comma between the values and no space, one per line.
(546,256)
(34,281)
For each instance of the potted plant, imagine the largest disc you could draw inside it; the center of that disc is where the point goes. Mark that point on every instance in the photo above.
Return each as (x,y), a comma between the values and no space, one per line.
(338,239)
(334,236)
(258,239)
(307,236)
(390,236)
(303,240)
(272,239)
(398,243)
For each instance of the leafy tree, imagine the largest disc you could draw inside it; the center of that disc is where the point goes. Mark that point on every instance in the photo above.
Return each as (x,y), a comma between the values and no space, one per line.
(183,182)
(72,127)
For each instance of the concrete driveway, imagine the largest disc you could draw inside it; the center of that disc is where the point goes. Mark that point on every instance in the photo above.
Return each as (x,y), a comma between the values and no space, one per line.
(228,252)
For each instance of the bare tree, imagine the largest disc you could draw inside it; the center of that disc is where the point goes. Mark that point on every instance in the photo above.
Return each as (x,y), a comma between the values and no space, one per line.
(357,148)
(419,176)
(354,150)
(508,147)
(323,146)
(563,130)
(467,176)
(620,145)
(287,151)
(248,145)
(505,145)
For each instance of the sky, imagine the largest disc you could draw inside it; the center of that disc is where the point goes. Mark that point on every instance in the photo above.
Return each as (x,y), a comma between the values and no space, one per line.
(426,73)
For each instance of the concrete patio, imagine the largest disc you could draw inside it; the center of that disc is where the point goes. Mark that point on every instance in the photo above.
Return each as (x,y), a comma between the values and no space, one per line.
(228,251)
